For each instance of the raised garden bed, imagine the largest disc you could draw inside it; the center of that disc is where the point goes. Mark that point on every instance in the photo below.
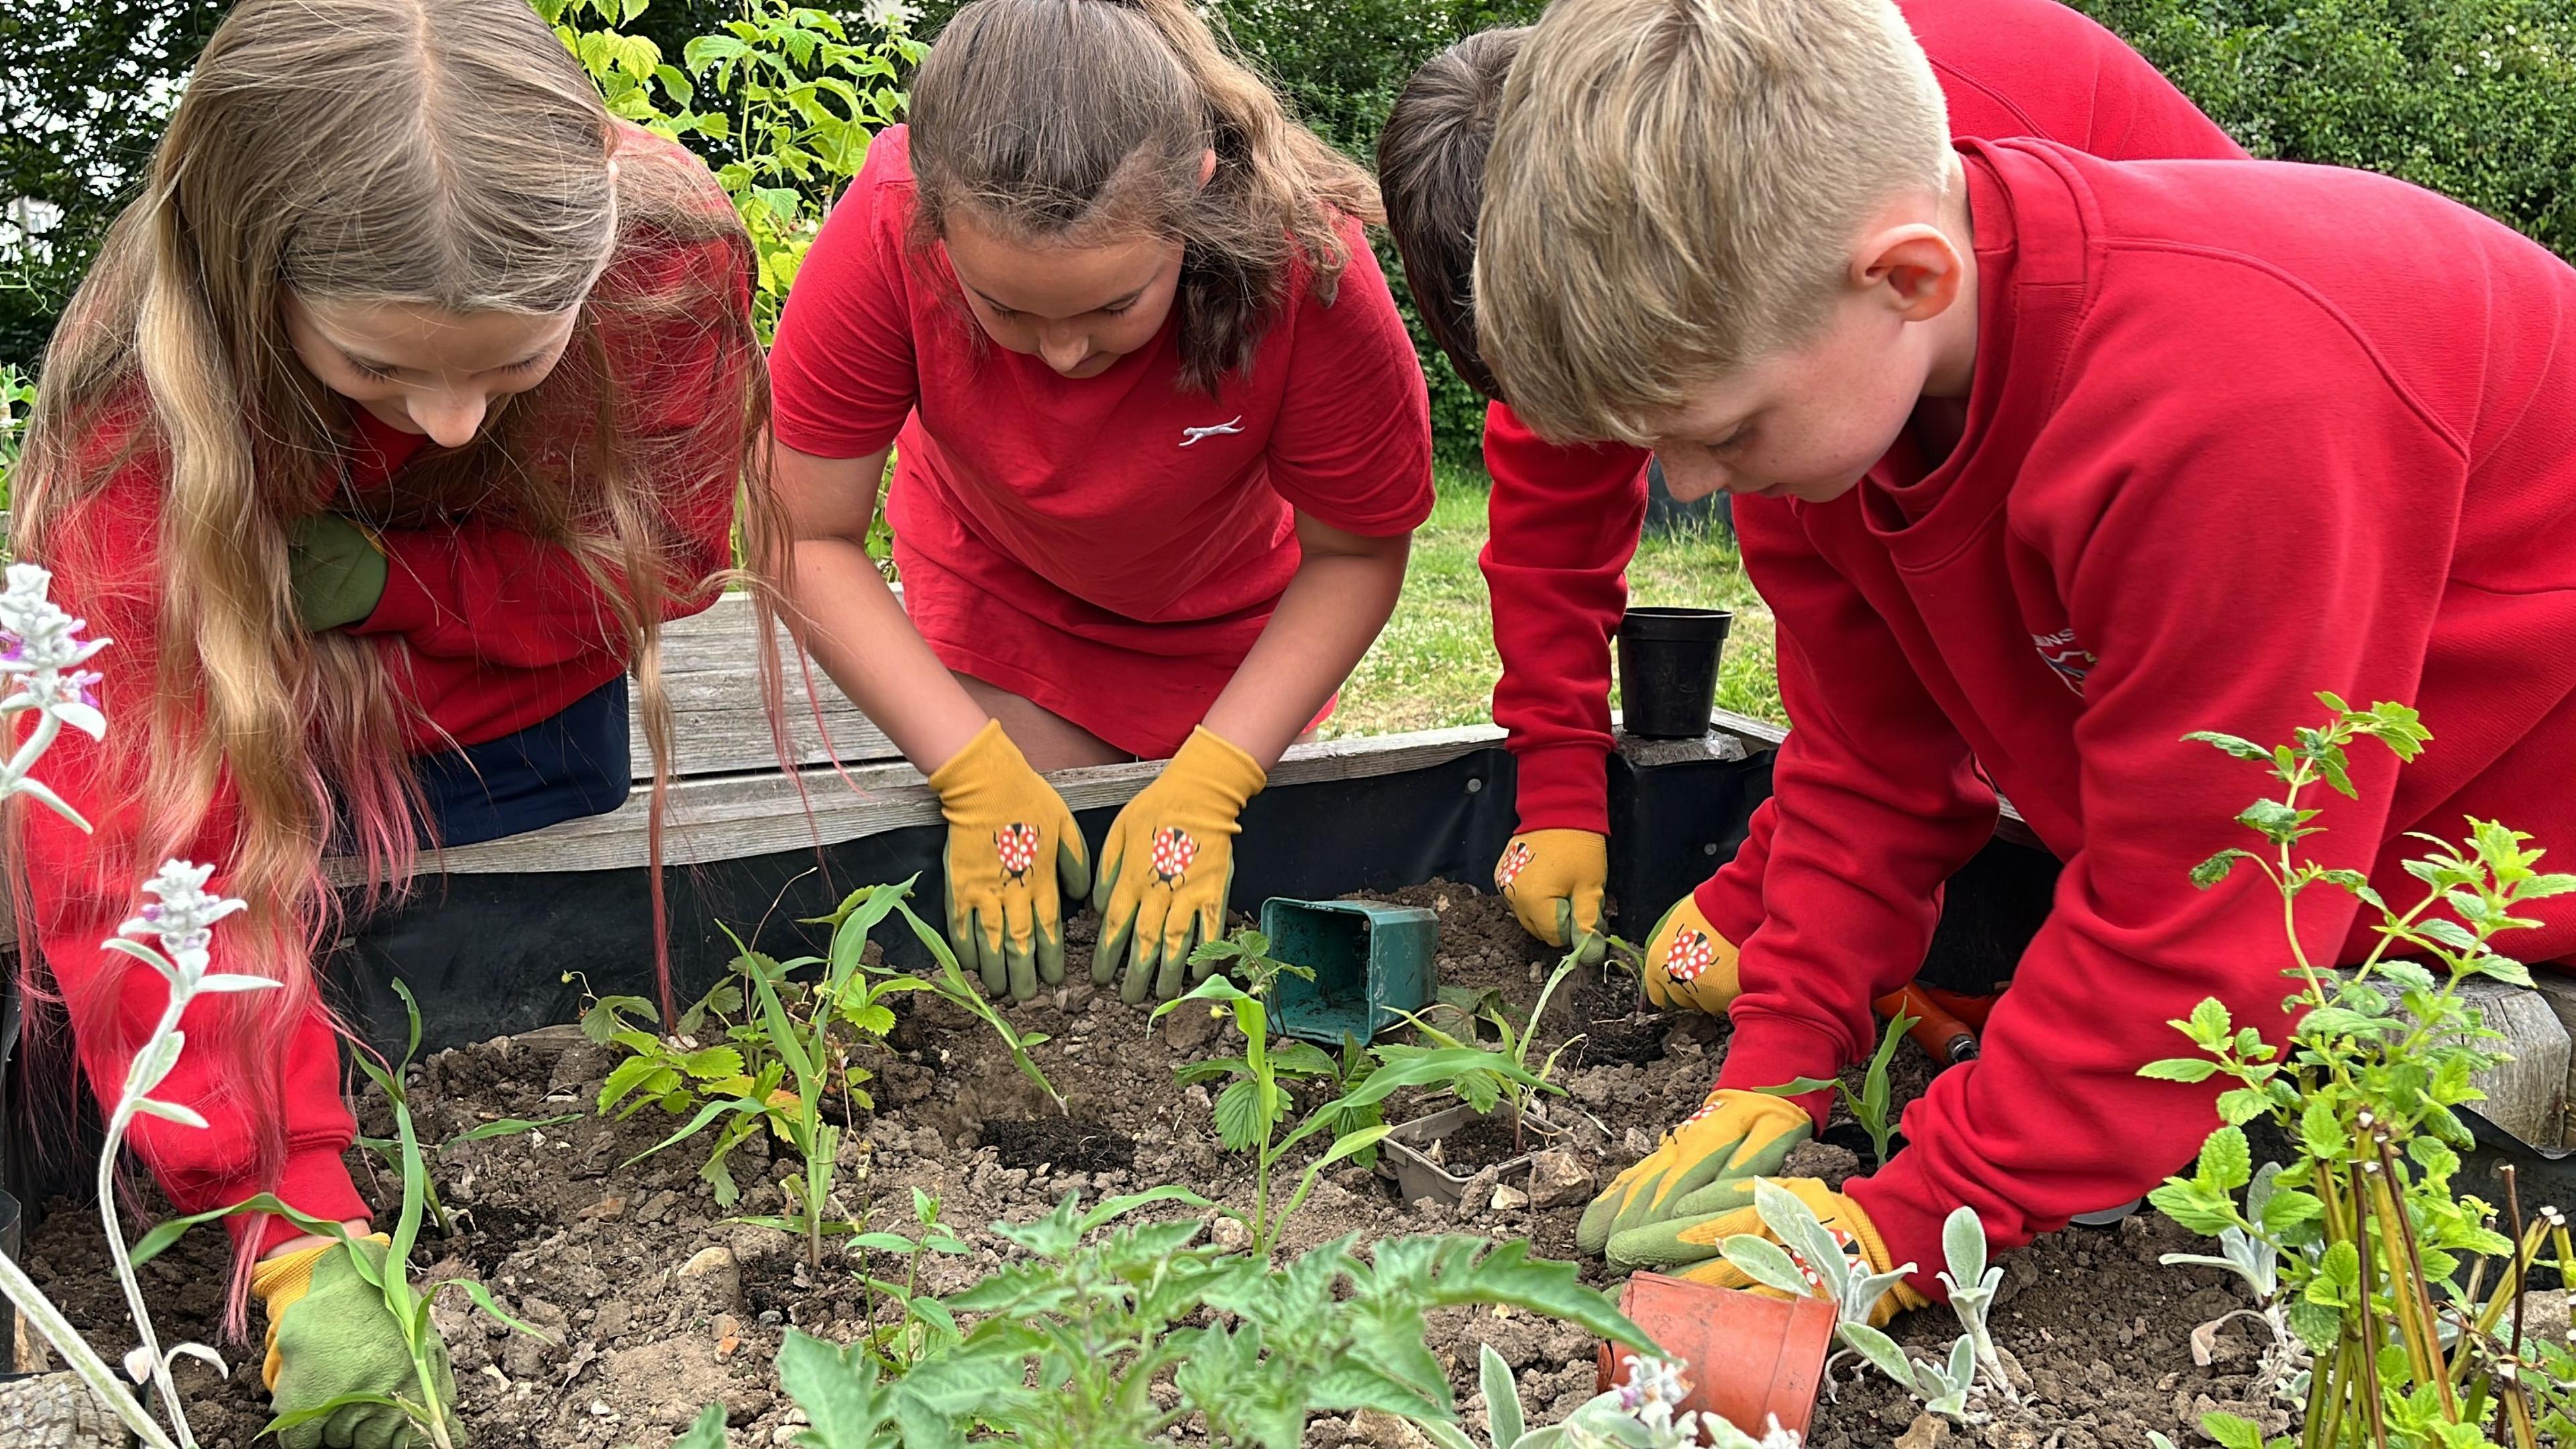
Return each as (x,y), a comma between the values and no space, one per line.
(662,1307)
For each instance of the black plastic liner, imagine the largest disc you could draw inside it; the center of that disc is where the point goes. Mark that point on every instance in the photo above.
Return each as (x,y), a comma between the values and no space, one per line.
(489,955)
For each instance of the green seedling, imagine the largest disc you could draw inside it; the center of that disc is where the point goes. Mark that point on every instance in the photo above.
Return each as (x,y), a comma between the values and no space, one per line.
(1255,1102)
(794,1055)
(1868,1106)
(1483,1091)
(919,1324)
(398,1093)
(2377,1260)
(386,1270)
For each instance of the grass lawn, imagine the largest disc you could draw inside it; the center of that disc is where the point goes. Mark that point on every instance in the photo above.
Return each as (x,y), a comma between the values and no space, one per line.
(1435,665)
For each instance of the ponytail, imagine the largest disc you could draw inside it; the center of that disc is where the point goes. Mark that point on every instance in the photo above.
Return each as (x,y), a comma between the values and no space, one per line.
(1067,121)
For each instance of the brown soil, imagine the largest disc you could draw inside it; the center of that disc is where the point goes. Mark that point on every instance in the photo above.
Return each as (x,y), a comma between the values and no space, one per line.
(658,1305)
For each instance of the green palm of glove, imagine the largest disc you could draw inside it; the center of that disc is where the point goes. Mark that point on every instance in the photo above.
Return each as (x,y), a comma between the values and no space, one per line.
(1709,1162)
(337,569)
(339,1339)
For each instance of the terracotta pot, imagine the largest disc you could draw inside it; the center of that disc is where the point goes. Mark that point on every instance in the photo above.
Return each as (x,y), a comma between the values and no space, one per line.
(1749,1359)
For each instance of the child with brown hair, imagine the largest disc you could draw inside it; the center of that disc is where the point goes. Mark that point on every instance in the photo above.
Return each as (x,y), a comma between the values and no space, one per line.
(397,414)
(1160,440)
(2044,461)
(1563,520)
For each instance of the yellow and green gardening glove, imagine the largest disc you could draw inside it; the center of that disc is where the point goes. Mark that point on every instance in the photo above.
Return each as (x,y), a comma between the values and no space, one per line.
(1689,966)
(1554,880)
(1168,864)
(330,1335)
(337,568)
(1014,857)
(1732,1139)
(1692,1247)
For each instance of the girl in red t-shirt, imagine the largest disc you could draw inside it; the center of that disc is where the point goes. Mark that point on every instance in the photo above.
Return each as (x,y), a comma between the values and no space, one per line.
(1160,443)
(396,415)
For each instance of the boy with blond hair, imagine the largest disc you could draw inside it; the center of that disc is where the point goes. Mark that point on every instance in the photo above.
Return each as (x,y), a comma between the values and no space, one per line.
(2043,461)
(1563,521)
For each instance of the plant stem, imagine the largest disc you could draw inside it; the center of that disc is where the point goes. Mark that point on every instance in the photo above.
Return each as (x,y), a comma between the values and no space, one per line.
(84,1360)
(2373,1407)
(118,1124)
(2418,1297)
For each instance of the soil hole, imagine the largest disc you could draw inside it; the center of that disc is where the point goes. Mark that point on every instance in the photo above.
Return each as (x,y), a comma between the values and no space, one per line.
(1070,1144)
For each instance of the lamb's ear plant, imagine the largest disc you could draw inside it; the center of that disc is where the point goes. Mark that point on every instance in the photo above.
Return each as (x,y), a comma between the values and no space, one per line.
(1868,1106)
(1643,1413)
(2381,1264)
(1808,1260)
(2256,1262)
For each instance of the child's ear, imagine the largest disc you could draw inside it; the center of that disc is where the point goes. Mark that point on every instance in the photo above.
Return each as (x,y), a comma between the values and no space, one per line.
(1207,166)
(1915,268)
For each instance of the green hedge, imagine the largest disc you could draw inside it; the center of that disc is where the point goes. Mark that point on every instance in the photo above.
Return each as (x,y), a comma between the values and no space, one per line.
(2473,98)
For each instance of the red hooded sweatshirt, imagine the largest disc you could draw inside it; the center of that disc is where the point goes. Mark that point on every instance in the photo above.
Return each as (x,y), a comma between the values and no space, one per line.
(485,629)
(2237,433)
(1563,522)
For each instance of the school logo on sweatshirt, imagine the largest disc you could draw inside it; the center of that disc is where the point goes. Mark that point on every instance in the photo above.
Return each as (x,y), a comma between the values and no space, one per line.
(2067,656)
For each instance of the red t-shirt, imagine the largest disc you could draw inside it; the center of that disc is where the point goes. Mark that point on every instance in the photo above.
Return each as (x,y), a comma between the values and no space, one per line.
(484,629)
(2210,467)
(1110,546)
(1564,521)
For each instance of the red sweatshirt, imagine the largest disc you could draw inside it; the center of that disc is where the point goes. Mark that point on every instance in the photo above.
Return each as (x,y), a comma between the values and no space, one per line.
(2237,433)
(1563,522)
(486,629)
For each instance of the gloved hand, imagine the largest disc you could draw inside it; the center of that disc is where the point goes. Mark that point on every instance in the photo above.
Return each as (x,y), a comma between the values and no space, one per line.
(1690,1247)
(1689,966)
(1732,1139)
(329,1334)
(1014,856)
(1168,864)
(337,567)
(1554,880)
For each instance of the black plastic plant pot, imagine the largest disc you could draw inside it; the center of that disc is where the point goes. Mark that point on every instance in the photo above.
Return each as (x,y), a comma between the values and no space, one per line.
(1668,670)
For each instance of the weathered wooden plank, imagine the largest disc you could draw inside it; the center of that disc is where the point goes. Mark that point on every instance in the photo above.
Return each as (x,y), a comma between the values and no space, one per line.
(727,818)
(711,673)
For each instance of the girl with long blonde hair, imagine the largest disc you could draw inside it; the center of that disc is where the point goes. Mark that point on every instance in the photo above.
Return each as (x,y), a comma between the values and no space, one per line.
(403,406)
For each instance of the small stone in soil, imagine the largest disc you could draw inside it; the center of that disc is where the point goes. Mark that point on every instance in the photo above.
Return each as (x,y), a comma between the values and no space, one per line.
(1558,1179)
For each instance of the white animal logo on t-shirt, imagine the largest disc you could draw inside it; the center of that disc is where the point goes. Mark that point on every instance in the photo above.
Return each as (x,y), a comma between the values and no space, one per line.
(1192,435)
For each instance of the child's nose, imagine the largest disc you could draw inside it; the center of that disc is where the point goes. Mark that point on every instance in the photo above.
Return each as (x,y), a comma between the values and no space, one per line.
(450,418)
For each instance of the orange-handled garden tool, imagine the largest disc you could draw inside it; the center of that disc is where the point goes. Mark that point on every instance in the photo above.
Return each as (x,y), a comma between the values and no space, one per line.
(1943,1036)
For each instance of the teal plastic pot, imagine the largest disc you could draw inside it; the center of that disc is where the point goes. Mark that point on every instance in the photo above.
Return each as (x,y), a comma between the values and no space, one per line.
(1372,963)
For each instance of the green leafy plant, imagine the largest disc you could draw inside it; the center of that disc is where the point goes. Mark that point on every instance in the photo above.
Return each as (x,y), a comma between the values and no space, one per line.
(1643,1413)
(1256,1099)
(1869,1105)
(1515,1036)
(784,97)
(919,1323)
(1070,1344)
(795,1054)
(17,403)
(2380,1262)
